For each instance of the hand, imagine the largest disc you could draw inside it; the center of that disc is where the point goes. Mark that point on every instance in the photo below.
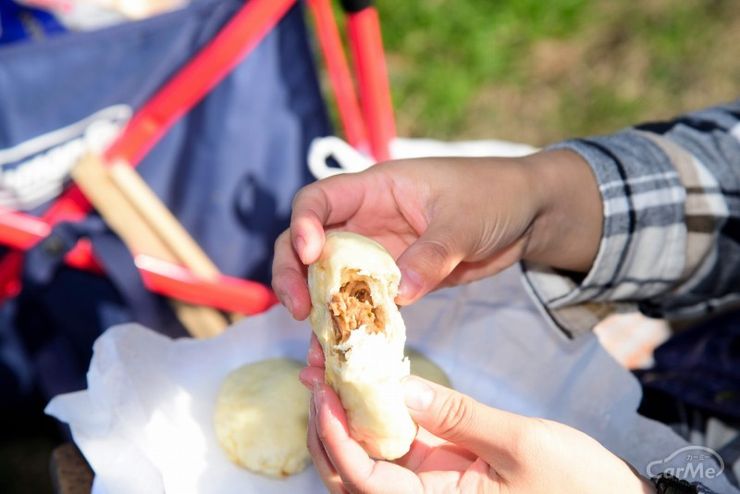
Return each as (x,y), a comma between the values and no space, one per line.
(462,446)
(448,221)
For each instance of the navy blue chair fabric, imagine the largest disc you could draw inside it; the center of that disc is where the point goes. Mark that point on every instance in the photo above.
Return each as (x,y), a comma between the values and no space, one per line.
(700,367)
(228,170)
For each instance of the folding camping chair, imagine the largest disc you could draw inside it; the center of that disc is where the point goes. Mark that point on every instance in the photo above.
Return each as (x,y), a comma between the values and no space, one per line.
(369,129)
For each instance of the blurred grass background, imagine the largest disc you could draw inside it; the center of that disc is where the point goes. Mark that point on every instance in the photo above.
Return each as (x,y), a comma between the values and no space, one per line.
(537,72)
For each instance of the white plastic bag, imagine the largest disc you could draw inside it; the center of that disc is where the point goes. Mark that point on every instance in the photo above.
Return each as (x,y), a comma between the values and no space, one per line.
(348,159)
(144,423)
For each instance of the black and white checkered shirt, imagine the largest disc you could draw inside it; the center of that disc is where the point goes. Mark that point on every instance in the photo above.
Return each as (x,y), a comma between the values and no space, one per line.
(671,231)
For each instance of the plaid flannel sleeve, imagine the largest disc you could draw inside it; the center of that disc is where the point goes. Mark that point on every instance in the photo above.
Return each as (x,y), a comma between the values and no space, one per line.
(671,231)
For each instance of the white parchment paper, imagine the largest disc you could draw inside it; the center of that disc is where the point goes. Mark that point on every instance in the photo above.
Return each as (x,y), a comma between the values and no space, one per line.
(145,421)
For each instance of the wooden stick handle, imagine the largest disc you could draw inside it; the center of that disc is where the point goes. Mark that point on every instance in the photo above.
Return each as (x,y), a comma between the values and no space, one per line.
(93,178)
(162,221)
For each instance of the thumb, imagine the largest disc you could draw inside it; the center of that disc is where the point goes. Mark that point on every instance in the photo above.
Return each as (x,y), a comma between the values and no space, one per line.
(428,261)
(492,434)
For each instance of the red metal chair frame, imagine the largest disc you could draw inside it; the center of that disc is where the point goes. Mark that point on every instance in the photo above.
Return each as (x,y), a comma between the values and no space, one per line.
(373,129)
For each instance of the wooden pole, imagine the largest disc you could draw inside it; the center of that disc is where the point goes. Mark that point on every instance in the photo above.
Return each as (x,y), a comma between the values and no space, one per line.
(92,176)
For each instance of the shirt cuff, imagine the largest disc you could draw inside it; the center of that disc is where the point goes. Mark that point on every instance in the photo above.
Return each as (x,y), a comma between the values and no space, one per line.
(643,245)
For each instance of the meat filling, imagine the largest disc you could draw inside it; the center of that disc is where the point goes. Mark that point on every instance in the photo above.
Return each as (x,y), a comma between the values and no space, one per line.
(353,307)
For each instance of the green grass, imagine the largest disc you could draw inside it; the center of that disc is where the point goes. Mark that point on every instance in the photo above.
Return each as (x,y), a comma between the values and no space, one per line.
(540,71)
(448,49)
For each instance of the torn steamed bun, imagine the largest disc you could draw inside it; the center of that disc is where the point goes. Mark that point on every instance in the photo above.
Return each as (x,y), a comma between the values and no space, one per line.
(353,285)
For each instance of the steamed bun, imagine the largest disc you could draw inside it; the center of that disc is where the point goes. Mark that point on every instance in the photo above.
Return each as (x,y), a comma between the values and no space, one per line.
(261,417)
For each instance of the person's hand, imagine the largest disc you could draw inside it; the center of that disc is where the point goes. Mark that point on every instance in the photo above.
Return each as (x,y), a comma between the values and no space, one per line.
(448,221)
(462,446)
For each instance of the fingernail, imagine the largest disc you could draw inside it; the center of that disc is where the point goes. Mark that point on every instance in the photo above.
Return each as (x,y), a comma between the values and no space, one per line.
(317,399)
(417,394)
(410,284)
(318,395)
(300,245)
(313,354)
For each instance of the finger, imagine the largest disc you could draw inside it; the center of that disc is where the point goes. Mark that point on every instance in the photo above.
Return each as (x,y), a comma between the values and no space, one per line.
(315,357)
(329,201)
(289,278)
(321,462)
(492,434)
(429,260)
(311,376)
(430,453)
(481,477)
(467,272)
(358,471)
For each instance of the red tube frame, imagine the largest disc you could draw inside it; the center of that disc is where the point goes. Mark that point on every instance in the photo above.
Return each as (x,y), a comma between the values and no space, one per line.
(239,37)
(340,76)
(165,278)
(21,231)
(366,42)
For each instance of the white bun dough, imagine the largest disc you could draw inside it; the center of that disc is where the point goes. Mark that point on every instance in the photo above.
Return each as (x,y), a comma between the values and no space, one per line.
(353,285)
(261,417)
